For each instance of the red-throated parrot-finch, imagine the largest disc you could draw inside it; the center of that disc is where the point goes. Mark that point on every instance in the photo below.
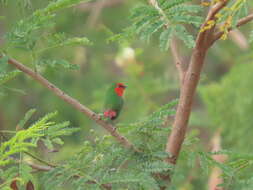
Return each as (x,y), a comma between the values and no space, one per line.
(114,101)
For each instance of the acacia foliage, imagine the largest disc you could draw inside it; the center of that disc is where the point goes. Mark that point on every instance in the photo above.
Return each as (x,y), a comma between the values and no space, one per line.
(166,19)
(13,163)
(101,161)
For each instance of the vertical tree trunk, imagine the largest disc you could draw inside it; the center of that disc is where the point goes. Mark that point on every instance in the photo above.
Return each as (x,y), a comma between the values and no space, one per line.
(185,104)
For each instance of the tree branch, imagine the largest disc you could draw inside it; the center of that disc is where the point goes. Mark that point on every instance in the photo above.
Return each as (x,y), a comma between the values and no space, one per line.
(204,37)
(191,79)
(39,167)
(239,39)
(241,22)
(76,104)
(95,13)
(177,60)
(216,178)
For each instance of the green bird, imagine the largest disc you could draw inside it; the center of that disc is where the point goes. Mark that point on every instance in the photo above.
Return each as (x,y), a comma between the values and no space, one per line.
(114,101)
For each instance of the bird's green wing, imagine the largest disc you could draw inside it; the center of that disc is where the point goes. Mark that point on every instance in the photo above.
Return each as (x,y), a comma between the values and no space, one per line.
(113,101)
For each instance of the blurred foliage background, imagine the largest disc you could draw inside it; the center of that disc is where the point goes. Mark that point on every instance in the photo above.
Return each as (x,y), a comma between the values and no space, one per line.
(224,100)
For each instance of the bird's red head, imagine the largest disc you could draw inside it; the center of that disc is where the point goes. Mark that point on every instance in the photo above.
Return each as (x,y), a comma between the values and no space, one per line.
(119,89)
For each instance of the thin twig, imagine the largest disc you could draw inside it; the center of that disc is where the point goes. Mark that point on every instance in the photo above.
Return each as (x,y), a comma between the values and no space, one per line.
(239,39)
(174,50)
(76,104)
(40,160)
(177,60)
(241,22)
(39,167)
(215,178)
(95,13)
(204,36)
(88,6)
(33,165)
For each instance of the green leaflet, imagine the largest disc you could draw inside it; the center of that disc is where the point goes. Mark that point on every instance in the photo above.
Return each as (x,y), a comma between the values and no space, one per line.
(182,34)
(194,20)
(165,38)
(186,8)
(167,19)
(5,77)
(170,4)
(28,31)
(3,64)
(151,29)
(57,64)
(28,115)
(251,36)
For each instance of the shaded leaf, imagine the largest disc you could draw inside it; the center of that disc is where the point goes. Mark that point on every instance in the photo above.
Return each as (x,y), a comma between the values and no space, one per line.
(165,38)
(5,77)
(28,115)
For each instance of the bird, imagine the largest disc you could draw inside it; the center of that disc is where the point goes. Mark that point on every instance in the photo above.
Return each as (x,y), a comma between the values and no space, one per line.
(114,101)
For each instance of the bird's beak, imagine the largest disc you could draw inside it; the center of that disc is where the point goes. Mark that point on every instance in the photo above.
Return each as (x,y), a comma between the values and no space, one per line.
(124,87)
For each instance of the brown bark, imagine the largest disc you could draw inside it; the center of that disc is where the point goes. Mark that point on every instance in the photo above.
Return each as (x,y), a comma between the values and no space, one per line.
(177,60)
(204,41)
(239,39)
(216,178)
(241,22)
(185,103)
(189,79)
(188,88)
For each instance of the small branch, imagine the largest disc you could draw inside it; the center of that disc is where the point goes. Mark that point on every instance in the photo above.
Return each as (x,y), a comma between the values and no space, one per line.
(177,60)
(88,6)
(215,9)
(204,36)
(95,13)
(215,178)
(34,166)
(239,39)
(241,22)
(39,167)
(245,20)
(40,160)
(174,50)
(76,104)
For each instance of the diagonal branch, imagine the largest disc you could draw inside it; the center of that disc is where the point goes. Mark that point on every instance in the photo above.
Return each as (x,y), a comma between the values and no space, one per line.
(76,104)
(241,22)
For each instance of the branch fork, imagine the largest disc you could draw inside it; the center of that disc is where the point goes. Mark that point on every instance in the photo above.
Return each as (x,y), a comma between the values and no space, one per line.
(189,78)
